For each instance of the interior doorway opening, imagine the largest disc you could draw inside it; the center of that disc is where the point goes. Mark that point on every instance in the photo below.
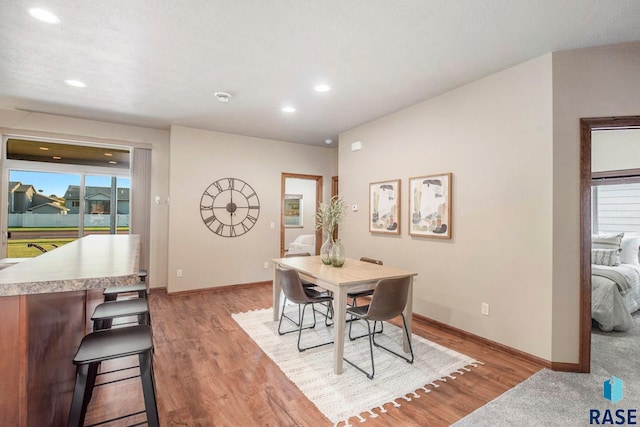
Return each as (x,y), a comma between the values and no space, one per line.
(300,197)
(587,127)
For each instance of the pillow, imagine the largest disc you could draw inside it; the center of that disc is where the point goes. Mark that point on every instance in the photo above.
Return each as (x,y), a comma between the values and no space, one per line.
(629,251)
(606,241)
(308,239)
(604,257)
(305,239)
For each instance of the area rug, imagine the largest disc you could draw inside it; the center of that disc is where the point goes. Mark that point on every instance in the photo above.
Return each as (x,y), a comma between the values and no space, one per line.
(567,399)
(352,394)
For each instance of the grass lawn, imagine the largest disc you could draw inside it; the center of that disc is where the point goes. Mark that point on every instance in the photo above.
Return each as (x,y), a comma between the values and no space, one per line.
(19,249)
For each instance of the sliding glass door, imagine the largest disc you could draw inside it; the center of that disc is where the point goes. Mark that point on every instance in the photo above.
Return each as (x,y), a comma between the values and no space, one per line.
(68,192)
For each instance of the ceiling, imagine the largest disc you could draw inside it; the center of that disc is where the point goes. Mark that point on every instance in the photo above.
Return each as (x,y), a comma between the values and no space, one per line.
(158,63)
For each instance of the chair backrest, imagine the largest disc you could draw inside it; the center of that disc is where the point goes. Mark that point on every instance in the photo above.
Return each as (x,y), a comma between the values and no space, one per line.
(371,260)
(389,298)
(292,286)
(295,255)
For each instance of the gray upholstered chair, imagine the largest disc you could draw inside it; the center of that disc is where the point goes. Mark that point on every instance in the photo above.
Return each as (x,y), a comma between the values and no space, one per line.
(310,285)
(298,294)
(388,301)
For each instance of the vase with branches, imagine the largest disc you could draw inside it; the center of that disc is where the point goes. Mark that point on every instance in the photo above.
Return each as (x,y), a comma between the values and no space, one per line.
(328,216)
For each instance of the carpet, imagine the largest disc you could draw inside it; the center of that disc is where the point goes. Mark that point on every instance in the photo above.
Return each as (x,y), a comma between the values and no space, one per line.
(561,398)
(352,394)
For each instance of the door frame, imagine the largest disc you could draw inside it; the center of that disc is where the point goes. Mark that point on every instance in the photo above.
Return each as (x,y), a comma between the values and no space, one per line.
(587,125)
(283,182)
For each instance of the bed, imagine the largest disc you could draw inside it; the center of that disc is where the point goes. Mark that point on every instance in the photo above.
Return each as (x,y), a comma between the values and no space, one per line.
(615,280)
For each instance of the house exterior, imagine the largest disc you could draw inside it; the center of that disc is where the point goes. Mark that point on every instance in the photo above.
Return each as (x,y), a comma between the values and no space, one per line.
(97,200)
(24,198)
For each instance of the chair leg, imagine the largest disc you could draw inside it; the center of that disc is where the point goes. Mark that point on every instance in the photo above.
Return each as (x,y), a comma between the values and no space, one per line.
(406,333)
(300,329)
(82,392)
(148,388)
(329,315)
(352,338)
(298,323)
(373,367)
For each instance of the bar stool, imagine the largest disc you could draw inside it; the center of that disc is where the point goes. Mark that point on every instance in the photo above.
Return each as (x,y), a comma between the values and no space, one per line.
(111,293)
(109,344)
(104,313)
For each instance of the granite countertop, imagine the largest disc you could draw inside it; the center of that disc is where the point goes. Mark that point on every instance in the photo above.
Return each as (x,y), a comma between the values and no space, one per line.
(95,261)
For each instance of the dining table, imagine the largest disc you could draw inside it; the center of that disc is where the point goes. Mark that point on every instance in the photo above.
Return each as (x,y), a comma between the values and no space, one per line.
(353,276)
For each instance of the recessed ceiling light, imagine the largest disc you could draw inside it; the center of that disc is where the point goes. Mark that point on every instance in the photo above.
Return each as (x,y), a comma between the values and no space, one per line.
(57,157)
(108,154)
(75,83)
(328,141)
(44,148)
(322,88)
(44,15)
(113,162)
(222,96)
(289,109)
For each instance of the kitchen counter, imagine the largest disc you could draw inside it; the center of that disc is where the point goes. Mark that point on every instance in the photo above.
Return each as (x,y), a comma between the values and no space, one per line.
(96,261)
(46,305)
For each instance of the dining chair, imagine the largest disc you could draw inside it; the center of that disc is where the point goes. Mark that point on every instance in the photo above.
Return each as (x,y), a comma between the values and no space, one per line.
(361,294)
(388,301)
(298,294)
(312,285)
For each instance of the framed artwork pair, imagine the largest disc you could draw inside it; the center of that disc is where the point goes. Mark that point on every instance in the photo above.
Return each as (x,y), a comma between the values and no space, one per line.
(429,206)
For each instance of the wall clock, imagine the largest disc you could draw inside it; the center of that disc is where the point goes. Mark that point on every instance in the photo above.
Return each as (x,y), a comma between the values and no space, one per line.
(229,207)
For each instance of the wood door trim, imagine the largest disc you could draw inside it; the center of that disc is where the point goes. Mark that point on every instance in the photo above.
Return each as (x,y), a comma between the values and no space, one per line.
(587,125)
(318,180)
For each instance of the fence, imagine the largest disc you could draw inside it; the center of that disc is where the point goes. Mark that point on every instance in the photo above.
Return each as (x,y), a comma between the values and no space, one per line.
(30,220)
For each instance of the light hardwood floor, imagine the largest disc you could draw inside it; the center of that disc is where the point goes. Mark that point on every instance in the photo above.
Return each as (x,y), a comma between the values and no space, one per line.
(210,373)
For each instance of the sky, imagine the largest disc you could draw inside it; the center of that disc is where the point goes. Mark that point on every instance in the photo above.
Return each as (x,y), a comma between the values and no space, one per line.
(49,183)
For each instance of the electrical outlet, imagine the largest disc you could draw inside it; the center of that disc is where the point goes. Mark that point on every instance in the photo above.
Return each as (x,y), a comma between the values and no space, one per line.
(179,272)
(266,264)
(485,309)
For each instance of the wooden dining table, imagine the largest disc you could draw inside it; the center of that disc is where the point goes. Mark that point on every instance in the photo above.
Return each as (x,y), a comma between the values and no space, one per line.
(353,276)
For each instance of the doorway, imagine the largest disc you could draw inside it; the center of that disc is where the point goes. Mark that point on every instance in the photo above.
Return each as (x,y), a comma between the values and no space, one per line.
(587,126)
(300,196)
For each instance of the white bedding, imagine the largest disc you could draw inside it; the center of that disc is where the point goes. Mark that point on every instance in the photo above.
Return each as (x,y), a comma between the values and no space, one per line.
(610,307)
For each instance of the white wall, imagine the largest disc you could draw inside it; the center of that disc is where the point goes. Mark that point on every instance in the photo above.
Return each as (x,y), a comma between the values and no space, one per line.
(596,82)
(495,136)
(35,124)
(199,158)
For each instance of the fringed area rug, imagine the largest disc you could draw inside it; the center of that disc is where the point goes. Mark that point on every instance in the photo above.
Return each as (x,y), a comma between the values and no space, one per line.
(352,394)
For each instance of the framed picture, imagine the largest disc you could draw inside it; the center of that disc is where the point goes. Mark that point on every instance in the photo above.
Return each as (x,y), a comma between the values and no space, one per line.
(384,207)
(293,211)
(430,206)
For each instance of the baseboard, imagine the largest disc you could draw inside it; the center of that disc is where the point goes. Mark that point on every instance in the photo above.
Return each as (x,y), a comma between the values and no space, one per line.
(220,288)
(157,290)
(566,367)
(487,342)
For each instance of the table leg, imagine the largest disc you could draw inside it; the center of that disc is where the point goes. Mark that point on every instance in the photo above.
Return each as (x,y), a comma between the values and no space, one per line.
(408,312)
(339,316)
(276,294)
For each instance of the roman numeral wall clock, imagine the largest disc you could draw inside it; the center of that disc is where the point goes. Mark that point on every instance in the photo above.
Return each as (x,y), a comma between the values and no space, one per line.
(229,207)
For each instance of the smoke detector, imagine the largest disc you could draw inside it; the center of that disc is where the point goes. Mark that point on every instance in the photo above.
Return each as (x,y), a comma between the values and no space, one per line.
(222,96)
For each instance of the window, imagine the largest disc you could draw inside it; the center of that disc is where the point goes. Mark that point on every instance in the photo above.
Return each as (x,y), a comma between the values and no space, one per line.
(60,192)
(616,205)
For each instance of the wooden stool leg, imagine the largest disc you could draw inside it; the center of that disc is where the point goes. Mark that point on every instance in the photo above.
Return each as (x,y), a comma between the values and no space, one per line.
(148,388)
